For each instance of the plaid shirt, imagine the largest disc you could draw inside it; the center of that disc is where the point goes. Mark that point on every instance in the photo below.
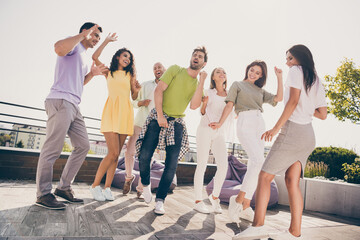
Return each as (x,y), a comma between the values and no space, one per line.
(166,136)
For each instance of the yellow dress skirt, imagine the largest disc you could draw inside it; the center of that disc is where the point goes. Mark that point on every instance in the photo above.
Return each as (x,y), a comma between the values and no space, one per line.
(118,113)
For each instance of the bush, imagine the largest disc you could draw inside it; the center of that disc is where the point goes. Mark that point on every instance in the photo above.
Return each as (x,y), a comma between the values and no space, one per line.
(314,169)
(352,171)
(334,157)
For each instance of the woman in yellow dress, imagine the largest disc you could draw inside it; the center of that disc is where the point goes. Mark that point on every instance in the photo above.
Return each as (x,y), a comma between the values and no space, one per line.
(118,115)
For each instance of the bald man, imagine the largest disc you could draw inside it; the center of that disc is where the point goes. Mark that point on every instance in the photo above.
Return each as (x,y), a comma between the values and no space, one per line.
(145,102)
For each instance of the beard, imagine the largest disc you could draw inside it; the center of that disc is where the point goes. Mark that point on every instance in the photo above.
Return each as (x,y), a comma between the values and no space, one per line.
(195,66)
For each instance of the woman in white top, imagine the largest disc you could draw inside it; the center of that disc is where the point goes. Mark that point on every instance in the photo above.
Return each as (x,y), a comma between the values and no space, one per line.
(304,98)
(208,138)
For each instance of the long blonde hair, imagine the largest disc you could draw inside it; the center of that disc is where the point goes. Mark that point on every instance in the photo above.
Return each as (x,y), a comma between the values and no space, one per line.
(212,81)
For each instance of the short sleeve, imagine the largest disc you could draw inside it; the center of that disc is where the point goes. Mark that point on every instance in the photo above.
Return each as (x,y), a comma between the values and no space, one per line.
(169,74)
(73,51)
(320,97)
(295,78)
(269,98)
(233,92)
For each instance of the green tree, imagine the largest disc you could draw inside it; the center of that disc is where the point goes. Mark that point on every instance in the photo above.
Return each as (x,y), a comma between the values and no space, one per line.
(66,147)
(4,138)
(20,144)
(343,90)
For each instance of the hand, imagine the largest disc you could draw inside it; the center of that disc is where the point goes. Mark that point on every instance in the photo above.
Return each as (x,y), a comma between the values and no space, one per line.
(145,102)
(205,99)
(98,70)
(268,135)
(87,32)
(202,76)
(136,85)
(111,37)
(278,72)
(215,125)
(162,121)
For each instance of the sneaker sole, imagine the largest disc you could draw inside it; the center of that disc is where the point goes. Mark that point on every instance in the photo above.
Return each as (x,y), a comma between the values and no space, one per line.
(52,208)
(67,199)
(201,211)
(158,213)
(263,236)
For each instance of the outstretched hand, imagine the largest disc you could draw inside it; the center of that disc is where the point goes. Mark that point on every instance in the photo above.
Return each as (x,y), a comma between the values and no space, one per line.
(111,37)
(98,70)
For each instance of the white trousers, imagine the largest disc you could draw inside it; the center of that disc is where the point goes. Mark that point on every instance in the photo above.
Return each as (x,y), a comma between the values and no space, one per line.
(207,138)
(250,127)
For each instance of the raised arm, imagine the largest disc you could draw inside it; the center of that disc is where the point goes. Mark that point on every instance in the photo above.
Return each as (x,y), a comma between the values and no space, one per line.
(196,99)
(280,89)
(158,97)
(288,110)
(64,46)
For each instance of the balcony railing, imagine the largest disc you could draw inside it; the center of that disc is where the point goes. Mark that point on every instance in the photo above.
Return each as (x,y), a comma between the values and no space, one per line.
(27,123)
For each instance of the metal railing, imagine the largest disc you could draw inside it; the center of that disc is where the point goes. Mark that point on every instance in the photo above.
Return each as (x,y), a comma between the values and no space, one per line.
(28,124)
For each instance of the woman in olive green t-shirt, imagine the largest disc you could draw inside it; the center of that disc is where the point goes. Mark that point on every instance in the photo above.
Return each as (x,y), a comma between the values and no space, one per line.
(248,97)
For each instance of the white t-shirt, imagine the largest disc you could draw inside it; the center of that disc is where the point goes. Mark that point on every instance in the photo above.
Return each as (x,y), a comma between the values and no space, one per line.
(309,101)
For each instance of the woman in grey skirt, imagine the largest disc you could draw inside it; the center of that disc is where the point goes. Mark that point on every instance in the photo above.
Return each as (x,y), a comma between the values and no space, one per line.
(304,98)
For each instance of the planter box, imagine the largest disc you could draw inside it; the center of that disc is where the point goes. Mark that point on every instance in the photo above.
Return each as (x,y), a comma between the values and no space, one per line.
(325,196)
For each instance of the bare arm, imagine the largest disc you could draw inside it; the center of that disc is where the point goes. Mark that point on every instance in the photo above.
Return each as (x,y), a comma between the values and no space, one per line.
(95,70)
(64,46)
(288,110)
(196,99)
(227,110)
(321,113)
(203,107)
(98,51)
(280,89)
(158,97)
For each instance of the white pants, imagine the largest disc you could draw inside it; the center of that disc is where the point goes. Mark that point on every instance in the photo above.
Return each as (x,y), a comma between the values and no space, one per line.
(250,127)
(207,138)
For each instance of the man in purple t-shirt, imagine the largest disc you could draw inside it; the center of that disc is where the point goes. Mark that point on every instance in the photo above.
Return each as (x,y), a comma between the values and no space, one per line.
(64,117)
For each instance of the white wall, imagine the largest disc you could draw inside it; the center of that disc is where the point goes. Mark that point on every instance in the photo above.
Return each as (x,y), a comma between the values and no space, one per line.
(325,196)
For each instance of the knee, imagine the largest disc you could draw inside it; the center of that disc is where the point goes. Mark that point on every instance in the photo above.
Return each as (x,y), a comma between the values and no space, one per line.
(113,155)
(83,147)
(265,177)
(291,182)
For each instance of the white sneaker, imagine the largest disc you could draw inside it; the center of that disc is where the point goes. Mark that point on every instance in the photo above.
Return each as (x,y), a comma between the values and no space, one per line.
(253,233)
(215,204)
(97,193)
(234,209)
(247,214)
(159,208)
(284,236)
(147,193)
(108,194)
(201,207)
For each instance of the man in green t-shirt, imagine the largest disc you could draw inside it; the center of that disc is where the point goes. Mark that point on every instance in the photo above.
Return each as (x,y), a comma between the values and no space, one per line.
(165,128)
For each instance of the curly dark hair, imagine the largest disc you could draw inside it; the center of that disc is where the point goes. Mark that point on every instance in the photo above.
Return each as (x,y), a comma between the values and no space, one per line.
(262,80)
(303,55)
(114,65)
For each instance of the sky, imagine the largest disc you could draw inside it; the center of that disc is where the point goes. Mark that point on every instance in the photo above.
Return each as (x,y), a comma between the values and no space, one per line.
(235,33)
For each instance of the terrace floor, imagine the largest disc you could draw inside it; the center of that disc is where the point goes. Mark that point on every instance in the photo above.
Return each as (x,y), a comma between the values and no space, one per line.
(129,218)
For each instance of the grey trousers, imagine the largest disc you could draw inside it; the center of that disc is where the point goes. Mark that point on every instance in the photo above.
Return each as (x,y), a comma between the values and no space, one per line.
(63,118)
